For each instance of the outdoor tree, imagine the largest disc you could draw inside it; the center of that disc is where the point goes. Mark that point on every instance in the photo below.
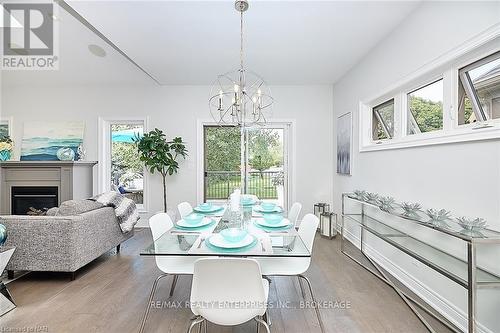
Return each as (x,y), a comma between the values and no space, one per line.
(264,153)
(160,155)
(428,114)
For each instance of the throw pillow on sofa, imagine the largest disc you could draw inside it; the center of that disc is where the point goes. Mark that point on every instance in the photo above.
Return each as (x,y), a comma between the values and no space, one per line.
(75,207)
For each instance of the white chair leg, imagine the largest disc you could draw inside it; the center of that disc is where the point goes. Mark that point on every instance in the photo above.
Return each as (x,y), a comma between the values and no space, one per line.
(174,282)
(316,308)
(302,290)
(148,306)
(267,318)
(263,323)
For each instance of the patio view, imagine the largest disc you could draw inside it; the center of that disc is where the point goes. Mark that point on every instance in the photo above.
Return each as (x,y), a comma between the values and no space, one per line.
(126,169)
(223,162)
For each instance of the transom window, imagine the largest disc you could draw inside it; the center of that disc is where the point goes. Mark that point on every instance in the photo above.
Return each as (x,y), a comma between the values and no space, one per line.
(455,98)
(479,90)
(383,121)
(425,108)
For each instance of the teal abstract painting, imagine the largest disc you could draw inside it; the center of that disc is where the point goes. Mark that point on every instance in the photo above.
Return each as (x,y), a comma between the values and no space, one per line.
(42,139)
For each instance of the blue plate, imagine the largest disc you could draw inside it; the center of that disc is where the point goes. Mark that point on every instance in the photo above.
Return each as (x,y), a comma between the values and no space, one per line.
(273,229)
(211,210)
(206,226)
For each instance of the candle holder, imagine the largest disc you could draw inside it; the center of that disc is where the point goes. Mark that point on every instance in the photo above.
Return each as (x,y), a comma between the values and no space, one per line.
(320,208)
(328,225)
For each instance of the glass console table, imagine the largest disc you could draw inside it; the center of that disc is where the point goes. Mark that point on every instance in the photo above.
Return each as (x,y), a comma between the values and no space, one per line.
(462,271)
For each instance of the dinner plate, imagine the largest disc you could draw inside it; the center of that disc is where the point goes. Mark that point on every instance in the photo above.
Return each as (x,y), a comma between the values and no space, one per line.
(205,221)
(259,209)
(218,241)
(212,209)
(283,223)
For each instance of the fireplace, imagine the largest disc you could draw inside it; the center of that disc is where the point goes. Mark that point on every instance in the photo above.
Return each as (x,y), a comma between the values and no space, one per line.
(38,197)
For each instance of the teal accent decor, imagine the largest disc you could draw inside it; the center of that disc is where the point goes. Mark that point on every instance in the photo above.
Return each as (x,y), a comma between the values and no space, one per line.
(3,234)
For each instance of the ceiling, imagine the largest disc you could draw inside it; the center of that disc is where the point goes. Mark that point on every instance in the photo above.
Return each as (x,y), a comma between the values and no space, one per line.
(191,42)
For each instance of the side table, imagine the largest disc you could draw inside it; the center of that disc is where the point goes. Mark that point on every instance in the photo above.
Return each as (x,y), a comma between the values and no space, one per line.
(6,301)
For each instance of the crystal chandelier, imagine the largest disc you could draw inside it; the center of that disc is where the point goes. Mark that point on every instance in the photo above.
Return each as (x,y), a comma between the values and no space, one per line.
(240,97)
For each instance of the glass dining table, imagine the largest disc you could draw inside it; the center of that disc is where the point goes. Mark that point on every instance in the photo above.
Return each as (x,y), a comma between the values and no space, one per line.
(278,242)
(266,241)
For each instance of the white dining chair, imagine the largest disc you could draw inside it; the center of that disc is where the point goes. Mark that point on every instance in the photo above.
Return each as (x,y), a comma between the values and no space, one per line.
(296,266)
(236,284)
(159,224)
(185,209)
(294,212)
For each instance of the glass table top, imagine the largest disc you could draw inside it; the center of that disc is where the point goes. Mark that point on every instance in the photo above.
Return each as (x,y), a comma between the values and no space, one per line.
(262,241)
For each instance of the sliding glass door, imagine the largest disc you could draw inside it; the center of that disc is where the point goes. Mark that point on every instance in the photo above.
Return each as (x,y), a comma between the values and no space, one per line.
(265,162)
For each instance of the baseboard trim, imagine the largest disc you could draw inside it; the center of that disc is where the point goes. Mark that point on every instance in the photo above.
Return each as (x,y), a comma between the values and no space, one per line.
(451,312)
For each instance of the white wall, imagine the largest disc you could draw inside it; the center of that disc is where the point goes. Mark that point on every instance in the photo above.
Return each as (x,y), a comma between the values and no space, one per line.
(175,109)
(464,178)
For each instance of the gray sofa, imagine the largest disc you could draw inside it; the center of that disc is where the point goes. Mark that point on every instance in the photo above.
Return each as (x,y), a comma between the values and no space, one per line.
(63,242)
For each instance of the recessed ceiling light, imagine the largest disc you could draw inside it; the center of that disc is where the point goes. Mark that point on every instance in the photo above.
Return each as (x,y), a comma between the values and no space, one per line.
(97,50)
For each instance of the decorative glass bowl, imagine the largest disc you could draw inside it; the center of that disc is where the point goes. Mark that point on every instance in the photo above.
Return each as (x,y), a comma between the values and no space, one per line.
(360,194)
(411,209)
(268,206)
(438,215)
(472,224)
(205,205)
(386,204)
(193,218)
(65,154)
(234,235)
(273,218)
(372,197)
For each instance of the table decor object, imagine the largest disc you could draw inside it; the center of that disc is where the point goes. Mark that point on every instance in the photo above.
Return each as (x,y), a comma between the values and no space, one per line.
(3,234)
(234,235)
(438,217)
(6,146)
(360,194)
(411,209)
(471,224)
(372,197)
(386,204)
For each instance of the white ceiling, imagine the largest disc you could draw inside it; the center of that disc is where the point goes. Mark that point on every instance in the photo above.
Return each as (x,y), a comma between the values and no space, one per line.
(190,42)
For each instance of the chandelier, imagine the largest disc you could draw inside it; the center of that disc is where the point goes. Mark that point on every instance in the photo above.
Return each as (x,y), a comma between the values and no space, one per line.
(240,97)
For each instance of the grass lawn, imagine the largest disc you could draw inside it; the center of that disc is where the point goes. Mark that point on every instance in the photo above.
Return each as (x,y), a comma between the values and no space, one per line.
(261,187)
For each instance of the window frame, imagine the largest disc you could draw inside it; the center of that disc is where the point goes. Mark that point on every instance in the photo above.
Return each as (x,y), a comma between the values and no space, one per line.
(447,68)
(380,119)
(104,152)
(409,113)
(464,77)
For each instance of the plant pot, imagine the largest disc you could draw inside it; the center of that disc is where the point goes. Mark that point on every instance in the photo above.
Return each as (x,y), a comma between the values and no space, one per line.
(5,155)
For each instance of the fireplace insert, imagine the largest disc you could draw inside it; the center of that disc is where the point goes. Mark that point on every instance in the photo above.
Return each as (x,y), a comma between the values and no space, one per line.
(37,197)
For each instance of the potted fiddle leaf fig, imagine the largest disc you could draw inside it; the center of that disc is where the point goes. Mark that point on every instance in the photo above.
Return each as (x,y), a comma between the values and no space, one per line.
(160,155)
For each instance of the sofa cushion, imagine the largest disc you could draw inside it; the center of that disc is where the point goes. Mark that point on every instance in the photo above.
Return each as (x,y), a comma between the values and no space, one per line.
(75,207)
(52,211)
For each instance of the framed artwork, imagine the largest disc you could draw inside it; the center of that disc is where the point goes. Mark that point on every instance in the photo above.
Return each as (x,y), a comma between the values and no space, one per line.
(344,143)
(42,139)
(5,126)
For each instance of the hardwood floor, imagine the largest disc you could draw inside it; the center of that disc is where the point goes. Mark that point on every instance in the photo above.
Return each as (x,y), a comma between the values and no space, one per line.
(110,295)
